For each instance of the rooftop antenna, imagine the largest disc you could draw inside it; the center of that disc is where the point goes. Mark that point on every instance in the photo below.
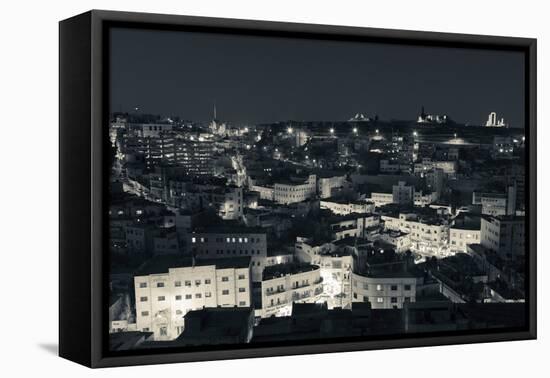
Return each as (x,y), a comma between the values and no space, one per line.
(215,115)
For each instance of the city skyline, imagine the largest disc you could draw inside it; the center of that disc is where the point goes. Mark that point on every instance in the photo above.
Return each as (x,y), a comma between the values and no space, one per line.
(266,79)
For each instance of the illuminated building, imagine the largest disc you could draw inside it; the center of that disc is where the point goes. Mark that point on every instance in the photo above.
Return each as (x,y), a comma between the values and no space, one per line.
(165,290)
(231,242)
(284,284)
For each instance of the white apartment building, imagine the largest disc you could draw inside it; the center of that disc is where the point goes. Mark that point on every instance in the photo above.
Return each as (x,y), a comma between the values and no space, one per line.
(266,192)
(285,284)
(460,237)
(309,252)
(427,236)
(353,225)
(336,270)
(291,192)
(384,292)
(165,294)
(228,201)
(231,242)
(381,199)
(504,234)
(424,199)
(448,167)
(495,204)
(326,185)
(348,207)
(403,194)
(400,240)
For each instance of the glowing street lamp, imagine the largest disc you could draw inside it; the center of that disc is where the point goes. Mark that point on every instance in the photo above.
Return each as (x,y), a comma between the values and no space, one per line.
(415,134)
(289,130)
(377,131)
(331,130)
(355,130)
(455,135)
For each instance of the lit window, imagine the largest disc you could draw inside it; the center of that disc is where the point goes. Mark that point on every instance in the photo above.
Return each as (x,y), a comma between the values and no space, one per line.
(228,240)
(193,240)
(379,287)
(380,300)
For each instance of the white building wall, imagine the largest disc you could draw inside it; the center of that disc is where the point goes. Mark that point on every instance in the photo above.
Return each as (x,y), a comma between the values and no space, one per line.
(383,293)
(162,300)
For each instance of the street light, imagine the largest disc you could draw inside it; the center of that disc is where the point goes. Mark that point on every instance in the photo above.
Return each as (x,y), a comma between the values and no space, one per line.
(355,130)
(289,130)
(377,131)
(331,130)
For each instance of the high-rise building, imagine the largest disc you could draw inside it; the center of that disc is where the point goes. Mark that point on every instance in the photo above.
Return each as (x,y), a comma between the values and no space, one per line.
(504,235)
(195,156)
(403,194)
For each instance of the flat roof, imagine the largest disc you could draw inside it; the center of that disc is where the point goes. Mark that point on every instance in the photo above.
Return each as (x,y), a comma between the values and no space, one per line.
(281,270)
(162,264)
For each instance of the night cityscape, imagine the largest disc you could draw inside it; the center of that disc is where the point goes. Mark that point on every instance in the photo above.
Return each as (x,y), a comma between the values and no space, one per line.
(256,228)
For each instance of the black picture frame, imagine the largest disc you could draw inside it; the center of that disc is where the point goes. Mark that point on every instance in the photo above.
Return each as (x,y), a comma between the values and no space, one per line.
(83,104)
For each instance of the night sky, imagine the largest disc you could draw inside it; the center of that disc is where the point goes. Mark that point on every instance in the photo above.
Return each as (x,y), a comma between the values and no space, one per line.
(266,79)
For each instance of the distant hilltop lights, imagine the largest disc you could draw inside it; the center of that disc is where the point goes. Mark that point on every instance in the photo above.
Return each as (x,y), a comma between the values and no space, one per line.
(359,117)
(431,118)
(492,121)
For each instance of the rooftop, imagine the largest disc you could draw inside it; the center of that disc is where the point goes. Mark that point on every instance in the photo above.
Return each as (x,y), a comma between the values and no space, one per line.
(162,264)
(281,270)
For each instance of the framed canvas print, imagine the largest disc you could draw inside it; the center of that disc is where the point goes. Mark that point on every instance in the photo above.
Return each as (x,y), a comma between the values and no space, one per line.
(233,188)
